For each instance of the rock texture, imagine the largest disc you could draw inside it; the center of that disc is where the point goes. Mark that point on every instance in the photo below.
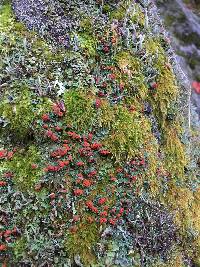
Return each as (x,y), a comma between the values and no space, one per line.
(93,138)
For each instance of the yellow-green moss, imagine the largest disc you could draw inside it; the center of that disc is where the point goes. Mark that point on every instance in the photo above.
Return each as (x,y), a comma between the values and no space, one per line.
(21,112)
(106,8)
(106,115)
(155,51)
(19,247)
(124,60)
(136,15)
(185,205)
(127,136)
(81,242)
(167,90)
(86,25)
(131,73)
(88,43)
(25,176)
(6,20)
(175,158)
(80,111)
(151,151)
(119,14)
(165,94)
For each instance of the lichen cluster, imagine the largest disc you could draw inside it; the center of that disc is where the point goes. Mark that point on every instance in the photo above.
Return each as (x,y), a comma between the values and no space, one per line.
(93,164)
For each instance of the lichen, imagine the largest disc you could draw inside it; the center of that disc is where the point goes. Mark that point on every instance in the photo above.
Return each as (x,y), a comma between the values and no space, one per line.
(92,139)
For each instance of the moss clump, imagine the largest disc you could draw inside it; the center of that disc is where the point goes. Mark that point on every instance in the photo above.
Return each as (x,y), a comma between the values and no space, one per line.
(165,93)
(125,60)
(88,43)
(138,16)
(6,20)
(185,205)
(86,25)
(80,242)
(25,164)
(120,12)
(19,113)
(127,137)
(166,90)
(19,248)
(106,115)
(155,51)
(131,73)
(175,157)
(80,111)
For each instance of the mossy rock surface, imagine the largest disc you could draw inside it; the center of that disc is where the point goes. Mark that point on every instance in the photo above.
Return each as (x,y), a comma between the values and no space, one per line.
(93,159)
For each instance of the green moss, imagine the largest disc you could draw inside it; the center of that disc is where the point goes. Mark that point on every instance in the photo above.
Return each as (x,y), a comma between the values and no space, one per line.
(185,204)
(126,59)
(127,136)
(6,20)
(132,76)
(120,13)
(80,111)
(21,165)
(88,43)
(106,8)
(138,16)
(175,157)
(86,25)
(19,248)
(155,51)
(164,95)
(81,242)
(19,114)
(162,100)
(22,112)
(19,27)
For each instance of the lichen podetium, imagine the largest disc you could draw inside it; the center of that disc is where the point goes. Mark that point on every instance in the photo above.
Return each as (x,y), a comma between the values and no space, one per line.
(93,162)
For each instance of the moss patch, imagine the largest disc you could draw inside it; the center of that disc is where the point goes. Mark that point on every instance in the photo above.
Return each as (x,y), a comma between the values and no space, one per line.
(174,153)
(126,137)
(80,110)
(25,164)
(81,242)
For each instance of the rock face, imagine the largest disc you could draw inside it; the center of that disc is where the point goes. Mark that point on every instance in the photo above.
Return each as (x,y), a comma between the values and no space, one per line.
(93,154)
